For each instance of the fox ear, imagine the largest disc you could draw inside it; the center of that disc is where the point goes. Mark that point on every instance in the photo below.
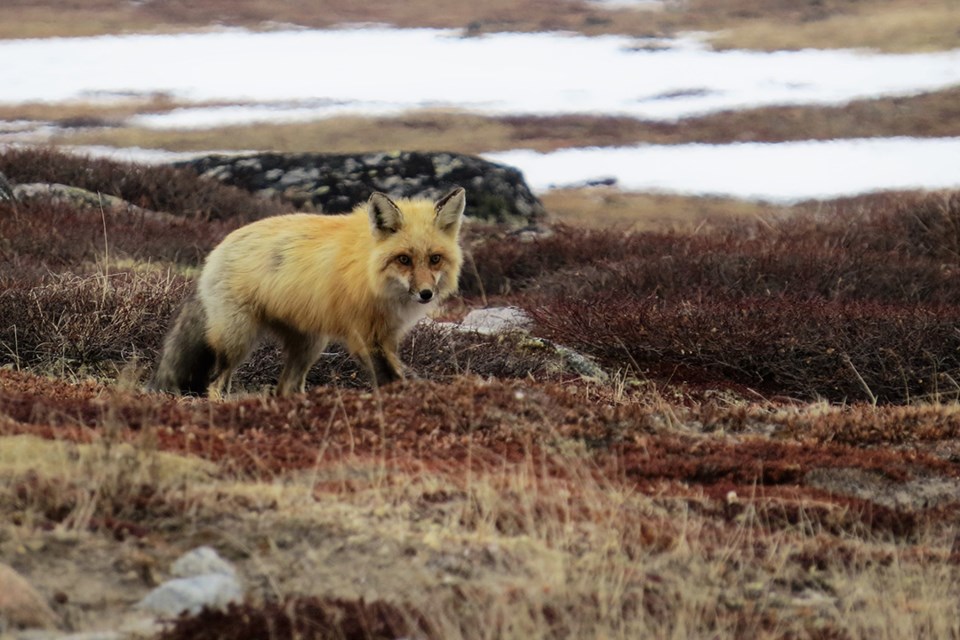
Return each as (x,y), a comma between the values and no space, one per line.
(449,210)
(385,216)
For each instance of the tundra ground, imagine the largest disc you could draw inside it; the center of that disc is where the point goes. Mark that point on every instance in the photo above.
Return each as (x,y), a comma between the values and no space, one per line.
(774,455)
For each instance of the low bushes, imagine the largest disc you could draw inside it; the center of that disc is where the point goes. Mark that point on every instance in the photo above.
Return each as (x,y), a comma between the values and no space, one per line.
(68,323)
(802,348)
(857,299)
(160,188)
(43,234)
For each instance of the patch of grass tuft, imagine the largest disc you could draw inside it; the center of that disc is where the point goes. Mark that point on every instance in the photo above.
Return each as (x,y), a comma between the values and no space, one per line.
(74,325)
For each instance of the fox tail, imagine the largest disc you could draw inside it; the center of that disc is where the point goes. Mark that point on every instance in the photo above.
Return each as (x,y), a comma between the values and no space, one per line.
(187,361)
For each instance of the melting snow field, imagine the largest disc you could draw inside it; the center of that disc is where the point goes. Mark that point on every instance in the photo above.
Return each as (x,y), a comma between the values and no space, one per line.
(298,75)
(783,172)
(317,73)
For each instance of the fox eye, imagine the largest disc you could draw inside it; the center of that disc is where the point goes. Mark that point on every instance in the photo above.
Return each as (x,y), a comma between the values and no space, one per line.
(404,259)
(436,258)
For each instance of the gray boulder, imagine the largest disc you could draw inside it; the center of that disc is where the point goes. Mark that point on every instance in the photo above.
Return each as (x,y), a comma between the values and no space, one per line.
(335,183)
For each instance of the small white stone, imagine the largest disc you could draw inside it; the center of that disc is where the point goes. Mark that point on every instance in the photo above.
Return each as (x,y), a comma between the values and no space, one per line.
(200,561)
(213,590)
(496,320)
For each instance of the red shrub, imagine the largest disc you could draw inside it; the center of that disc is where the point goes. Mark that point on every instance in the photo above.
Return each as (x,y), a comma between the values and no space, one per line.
(309,618)
(73,322)
(61,235)
(832,349)
(160,188)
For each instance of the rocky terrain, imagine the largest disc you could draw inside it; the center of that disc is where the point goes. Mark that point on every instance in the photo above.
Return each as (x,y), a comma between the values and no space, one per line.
(334,183)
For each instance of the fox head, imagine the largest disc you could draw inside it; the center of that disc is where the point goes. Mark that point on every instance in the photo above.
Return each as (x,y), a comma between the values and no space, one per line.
(417,255)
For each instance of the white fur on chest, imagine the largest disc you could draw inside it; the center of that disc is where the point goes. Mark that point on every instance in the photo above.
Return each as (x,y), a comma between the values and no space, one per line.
(409,313)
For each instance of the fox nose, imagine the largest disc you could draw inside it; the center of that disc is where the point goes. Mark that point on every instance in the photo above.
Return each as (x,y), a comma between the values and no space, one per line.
(425,295)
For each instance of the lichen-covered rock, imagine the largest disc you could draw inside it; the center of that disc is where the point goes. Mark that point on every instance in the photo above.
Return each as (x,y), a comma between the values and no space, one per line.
(81,199)
(335,183)
(496,320)
(68,194)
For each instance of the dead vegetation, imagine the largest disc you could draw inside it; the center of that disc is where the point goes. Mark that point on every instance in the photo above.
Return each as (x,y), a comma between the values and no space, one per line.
(160,189)
(888,25)
(520,509)
(934,114)
(855,301)
(775,455)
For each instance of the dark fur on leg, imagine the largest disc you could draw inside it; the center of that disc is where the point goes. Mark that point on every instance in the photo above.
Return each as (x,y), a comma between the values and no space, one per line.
(187,360)
(383,370)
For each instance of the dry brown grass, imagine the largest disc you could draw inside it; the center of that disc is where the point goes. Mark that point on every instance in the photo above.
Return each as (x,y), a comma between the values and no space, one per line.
(893,27)
(86,114)
(45,18)
(24,19)
(496,518)
(935,114)
(610,208)
(505,504)
(889,25)
(429,131)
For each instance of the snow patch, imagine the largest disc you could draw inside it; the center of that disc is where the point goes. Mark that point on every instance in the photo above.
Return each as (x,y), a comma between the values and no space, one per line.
(784,172)
(301,74)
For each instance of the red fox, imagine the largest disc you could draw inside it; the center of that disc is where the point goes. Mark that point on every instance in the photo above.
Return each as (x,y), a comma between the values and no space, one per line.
(362,279)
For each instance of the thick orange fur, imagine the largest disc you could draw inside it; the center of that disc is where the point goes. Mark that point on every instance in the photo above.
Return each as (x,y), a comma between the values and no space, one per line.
(362,279)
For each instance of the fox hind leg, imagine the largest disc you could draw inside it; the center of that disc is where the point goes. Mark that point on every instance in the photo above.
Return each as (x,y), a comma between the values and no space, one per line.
(187,359)
(231,342)
(223,372)
(301,350)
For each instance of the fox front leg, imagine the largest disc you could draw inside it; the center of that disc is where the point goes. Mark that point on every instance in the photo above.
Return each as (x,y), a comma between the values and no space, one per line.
(385,365)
